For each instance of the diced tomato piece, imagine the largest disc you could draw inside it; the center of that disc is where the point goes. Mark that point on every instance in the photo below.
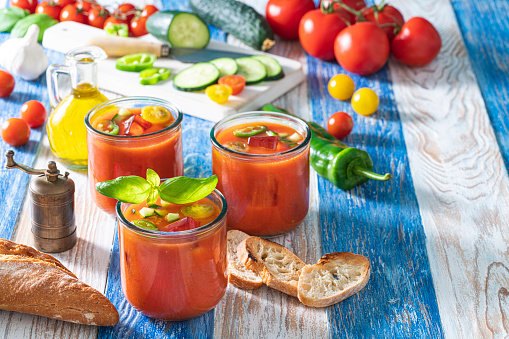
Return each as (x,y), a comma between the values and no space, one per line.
(269,142)
(135,129)
(184,224)
(142,122)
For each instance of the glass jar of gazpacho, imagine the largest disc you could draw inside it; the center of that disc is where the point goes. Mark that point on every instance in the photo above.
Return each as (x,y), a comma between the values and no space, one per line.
(262,162)
(126,136)
(173,257)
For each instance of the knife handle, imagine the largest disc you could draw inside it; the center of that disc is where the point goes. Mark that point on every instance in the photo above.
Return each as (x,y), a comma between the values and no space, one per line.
(116,46)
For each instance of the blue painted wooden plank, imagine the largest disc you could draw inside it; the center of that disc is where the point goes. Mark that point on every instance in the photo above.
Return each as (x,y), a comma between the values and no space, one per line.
(485,29)
(13,183)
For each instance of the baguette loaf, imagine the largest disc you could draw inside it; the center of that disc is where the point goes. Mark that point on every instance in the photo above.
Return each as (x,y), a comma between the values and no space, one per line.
(334,278)
(278,267)
(238,274)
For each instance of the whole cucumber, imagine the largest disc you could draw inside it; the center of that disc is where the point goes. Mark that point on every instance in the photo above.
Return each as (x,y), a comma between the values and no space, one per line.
(179,29)
(238,19)
(44,22)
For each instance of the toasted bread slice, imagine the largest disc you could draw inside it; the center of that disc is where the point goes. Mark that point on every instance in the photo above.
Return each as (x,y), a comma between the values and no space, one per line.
(334,278)
(238,274)
(278,266)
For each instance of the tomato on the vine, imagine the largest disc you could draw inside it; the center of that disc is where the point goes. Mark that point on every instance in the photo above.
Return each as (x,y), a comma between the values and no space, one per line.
(127,10)
(365,101)
(15,131)
(317,32)
(6,83)
(72,13)
(417,44)
(235,82)
(362,48)
(219,93)
(64,3)
(387,17)
(356,5)
(34,113)
(148,10)
(97,17)
(31,5)
(341,87)
(114,20)
(85,5)
(284,16)
(137,26)
(340,124)
(50,8)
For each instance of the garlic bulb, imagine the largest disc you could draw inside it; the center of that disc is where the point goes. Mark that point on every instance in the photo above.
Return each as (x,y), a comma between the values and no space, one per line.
(24,57)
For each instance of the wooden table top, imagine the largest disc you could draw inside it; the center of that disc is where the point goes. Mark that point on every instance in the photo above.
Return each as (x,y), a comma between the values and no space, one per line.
(437,234)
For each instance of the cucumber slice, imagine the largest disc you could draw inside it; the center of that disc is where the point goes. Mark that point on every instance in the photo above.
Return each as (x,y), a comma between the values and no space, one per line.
(147,212)
(251,69)
(197,77)
(274,70)
(226,66)
(161,213)
(180,29)
(171,217)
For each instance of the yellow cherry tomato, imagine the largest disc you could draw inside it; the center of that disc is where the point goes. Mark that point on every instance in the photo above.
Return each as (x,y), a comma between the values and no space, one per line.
(341,87)
(365,101)
(156,114)
(219,93)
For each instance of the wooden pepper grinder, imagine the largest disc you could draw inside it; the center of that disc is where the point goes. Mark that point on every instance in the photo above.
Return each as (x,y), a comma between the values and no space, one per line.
(52,206)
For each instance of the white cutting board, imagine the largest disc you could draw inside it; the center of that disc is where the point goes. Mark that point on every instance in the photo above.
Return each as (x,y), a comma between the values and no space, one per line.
(67,35)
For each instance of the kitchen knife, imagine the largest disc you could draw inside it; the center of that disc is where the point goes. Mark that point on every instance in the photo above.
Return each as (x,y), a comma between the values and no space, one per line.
(119,46)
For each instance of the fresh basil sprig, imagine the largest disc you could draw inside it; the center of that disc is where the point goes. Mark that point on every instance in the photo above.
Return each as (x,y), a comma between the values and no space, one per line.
(179,190)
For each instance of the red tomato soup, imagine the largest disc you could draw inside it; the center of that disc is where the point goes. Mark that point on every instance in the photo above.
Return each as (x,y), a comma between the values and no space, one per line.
(173,260)
(129,135)
(262,162)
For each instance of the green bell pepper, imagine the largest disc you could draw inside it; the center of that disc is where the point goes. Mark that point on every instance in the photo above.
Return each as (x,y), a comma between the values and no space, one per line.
(135,62)
(117,30)
(152,76)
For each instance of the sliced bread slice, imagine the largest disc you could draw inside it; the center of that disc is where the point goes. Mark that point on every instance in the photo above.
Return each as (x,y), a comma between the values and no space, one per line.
(278,266)
(334,278)
(238,274)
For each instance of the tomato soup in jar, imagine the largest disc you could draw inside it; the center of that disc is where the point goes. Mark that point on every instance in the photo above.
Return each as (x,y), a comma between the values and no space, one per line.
(262,162)
(173,257)
(127,136)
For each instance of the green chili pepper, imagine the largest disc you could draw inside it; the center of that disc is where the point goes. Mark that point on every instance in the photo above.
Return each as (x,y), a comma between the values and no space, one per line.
(117,29)
(135,62)
(250,131)
(346,167)
(111,128)
(152,76)
(146,225)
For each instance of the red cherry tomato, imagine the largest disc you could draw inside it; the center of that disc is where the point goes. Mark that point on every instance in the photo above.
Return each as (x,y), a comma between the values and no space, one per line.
(114,19)
(128,10)
(137,26)
(149,10)
(386,17)
(353,4)
(340,124)
(97,16)
(85,5)
(362,48)
(235,82)
(31,5)
(49,8)
(6,83)
(317,32)
(284,16)
(64,3)
(72,13)
(34,113)
(15,131)
(417,44)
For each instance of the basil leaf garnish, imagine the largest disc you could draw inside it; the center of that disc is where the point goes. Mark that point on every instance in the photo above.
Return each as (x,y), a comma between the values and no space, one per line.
(152,196)
(183,190)
(153,177)
(131,189)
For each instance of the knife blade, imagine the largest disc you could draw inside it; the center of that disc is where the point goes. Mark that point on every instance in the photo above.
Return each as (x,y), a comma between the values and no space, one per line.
(119,46)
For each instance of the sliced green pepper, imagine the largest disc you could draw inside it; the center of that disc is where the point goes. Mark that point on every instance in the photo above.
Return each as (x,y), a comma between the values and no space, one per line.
(146,225)
(346,167)
(117,29)
(250,131)
(152,76)
(135,62)
(108,126)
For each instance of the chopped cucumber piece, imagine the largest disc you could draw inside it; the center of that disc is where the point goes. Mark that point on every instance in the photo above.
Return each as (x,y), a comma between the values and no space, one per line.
(161,213)
(124,112)
(165,203)
(251,69)
(274,70)
(295,137)
(147,212)
(171,217)
(197,77)
(283,135)
(272,134)
(226,66)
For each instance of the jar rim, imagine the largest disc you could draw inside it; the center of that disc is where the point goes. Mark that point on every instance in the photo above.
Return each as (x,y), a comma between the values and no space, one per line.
(301,147)
(172,106)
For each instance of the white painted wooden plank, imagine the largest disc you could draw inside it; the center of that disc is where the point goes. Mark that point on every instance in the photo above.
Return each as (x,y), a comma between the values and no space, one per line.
(460,180)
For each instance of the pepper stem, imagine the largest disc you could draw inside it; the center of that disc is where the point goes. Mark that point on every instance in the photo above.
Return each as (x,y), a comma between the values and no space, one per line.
(358,170)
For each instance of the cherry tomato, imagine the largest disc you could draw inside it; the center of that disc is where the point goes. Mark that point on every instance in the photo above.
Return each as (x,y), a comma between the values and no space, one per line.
(284,16)
(317,32)
(114,20)
(341,87)
(235,82)
(386,17)
(362,48)
(6,83)
(137,26)
(340,124)
(218,93)
(15,131)
(49,8)
(417,44)
(64,3)
(85,5)
(34,113)
(128,10)
(353,4)
(148,10)
(72,13)
(97,16)
(31,5)
(365,101)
